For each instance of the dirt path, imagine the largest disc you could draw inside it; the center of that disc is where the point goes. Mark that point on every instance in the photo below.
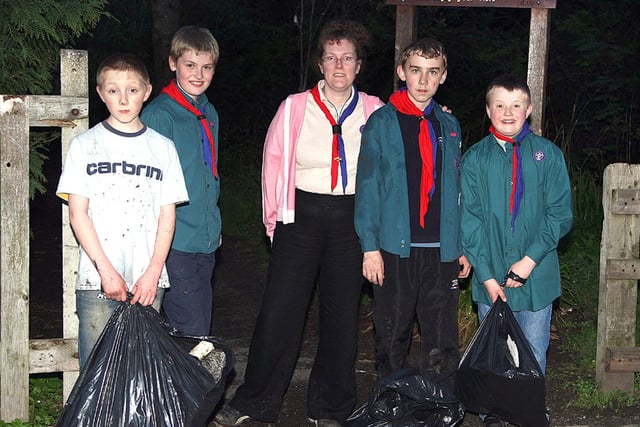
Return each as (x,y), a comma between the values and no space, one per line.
(238,284)
(239,281)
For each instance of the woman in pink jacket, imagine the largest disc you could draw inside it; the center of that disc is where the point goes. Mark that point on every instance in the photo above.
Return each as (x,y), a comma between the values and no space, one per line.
(308,185)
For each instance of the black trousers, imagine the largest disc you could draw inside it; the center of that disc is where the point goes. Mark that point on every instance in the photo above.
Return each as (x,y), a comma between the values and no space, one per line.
(423,289)
(321,246)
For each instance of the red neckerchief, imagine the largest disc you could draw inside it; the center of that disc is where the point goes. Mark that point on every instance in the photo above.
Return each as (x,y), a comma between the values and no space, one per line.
(517,189)
(426,143)
(172,90)
(338,156)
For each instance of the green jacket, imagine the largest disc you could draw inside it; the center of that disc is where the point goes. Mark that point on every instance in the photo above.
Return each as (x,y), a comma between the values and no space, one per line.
(546,214)
(382,200)
(198,223)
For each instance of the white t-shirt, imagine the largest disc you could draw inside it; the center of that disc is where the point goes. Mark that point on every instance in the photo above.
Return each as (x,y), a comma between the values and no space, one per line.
(127,178)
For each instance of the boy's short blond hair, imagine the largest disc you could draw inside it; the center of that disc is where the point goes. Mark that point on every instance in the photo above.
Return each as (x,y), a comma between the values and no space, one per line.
(510,82)
(194,38)
(427,48)
(122,62)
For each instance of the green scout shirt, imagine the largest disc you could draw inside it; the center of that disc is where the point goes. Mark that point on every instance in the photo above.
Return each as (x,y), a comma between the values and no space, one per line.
(382,199)
(545,216)
(198,223)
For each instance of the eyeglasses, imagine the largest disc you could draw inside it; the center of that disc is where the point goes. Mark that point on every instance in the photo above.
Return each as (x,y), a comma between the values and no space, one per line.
(346,61)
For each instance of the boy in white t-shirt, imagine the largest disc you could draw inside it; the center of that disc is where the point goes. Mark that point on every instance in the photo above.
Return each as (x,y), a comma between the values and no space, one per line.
(122,181)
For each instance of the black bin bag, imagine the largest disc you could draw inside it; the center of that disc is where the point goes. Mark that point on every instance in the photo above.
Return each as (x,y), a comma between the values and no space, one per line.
(499,374)
(140,373)
(407,399)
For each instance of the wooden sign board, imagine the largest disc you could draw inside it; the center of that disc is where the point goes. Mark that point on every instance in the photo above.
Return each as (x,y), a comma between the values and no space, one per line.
(522,4)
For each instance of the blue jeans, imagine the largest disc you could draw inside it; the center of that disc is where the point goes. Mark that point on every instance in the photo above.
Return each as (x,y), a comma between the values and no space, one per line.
(94,311)
(536,328)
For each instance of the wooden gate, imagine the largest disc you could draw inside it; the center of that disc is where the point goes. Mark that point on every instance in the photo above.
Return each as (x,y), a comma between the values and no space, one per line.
(616,357)
(20,356)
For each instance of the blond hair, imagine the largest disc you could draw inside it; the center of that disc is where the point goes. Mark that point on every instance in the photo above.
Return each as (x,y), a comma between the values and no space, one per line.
(194,38)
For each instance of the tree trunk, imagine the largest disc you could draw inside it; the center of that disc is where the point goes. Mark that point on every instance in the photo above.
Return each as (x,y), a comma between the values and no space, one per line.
(166,20)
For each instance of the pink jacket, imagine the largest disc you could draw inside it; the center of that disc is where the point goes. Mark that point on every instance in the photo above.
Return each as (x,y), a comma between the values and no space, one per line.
(278,160)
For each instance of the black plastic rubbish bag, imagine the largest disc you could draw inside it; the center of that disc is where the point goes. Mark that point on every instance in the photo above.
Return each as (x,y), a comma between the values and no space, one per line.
(406,399)
(140,373)
(499,374)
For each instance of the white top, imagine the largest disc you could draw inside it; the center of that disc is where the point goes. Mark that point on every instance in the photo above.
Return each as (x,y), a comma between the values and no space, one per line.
(314,152)
(127,178)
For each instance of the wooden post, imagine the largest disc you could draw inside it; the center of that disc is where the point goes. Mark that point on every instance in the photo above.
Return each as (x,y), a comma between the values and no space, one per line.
(20,356)
(537,66)
(406,32)
(74,72)
(14,258)
(406,24)
(619,252)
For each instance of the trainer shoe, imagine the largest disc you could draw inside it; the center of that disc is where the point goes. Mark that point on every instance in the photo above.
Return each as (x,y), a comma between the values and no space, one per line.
(491,421)
(324,422)
(228,416)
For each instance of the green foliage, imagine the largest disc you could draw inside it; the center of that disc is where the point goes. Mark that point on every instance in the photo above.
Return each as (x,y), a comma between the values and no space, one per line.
(467,316)
(579,338)
(17,423)
(32,34)
(38,148)
(45,401)
(589,395)
(580,251)
(593,88)
(240,201)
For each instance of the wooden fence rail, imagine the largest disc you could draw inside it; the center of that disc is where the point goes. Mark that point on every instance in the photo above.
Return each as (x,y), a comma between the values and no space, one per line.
(20,356)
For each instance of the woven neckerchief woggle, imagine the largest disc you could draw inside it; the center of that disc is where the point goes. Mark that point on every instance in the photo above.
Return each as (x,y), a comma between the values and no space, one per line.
(338,156)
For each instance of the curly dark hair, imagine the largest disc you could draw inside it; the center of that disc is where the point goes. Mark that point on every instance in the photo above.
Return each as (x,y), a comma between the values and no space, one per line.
(342,29)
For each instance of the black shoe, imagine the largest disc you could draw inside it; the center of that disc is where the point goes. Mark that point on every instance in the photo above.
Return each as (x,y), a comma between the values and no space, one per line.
(228,416)
(491,421)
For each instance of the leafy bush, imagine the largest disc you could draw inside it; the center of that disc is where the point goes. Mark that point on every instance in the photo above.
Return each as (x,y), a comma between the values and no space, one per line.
(45,401)
(32,34)
(579,252)
(589,395)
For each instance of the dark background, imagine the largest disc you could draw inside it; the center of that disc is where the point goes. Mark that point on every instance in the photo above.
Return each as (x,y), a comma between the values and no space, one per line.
(593,79)
(591,113)
(591,110)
